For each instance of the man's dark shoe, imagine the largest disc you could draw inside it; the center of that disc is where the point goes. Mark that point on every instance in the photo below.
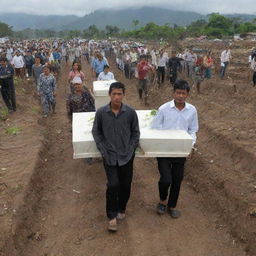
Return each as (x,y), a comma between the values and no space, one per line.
(161,208)
(174,213)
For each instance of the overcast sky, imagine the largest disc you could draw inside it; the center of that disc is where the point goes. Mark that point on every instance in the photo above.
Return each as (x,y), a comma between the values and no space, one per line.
(82,7)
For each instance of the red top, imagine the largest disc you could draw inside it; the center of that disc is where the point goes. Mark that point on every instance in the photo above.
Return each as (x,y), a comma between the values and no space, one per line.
(143,67)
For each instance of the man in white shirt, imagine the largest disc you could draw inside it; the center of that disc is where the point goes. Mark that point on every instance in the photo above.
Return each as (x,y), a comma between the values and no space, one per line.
(161,65)
(106,75)
(225,59)
(174,115)
(19,64)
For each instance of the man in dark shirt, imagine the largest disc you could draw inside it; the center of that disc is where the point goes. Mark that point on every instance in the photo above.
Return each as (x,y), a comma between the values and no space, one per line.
(174,65)
(29,61)
(7,84)
(116,133)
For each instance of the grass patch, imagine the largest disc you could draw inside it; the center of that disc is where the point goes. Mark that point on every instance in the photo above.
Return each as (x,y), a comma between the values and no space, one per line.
(36,109)
(16,81)
(12,130)
(4,114)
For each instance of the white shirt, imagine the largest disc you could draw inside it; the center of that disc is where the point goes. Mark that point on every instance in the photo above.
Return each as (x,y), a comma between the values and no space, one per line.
(171,118)
(106,77)
(225,56)
(134,57)
(153,58)
(18,61)
(162,61)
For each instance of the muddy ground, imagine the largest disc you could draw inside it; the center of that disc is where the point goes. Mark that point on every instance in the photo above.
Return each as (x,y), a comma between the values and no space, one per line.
(52,205)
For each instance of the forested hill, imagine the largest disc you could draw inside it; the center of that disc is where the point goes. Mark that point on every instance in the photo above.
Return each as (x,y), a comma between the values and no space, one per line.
(124,18)
(20,21)
(130,18)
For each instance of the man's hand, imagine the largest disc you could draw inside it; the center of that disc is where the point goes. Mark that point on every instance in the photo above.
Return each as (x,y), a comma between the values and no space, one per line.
(140,151)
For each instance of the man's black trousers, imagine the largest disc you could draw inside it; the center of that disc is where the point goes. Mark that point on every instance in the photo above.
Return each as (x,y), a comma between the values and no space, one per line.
(160,74)
(171,175)
(118,187)
(8,93)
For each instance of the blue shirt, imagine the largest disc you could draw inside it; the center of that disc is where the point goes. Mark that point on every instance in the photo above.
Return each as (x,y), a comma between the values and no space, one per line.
(98,65)
(56,55)
(171,118)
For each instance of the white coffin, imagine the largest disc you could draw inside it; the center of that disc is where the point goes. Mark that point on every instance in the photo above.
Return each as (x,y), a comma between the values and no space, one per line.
(100,91)
(154,143)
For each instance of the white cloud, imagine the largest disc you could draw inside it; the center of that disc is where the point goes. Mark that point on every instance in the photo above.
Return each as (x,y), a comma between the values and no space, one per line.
(82,7)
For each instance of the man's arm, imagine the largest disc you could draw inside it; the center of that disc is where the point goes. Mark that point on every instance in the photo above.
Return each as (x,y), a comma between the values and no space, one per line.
(135,134)
(98,133)
(193,127)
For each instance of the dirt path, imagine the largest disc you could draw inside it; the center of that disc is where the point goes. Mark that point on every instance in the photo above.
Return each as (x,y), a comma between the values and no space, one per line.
(64,210)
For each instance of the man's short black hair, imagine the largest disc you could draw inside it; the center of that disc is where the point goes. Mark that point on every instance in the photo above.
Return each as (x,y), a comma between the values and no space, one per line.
(181,85)
(106,66)
(116,85)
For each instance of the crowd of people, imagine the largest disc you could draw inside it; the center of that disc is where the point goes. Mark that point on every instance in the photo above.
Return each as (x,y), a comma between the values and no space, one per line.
(116,129)
(149,65)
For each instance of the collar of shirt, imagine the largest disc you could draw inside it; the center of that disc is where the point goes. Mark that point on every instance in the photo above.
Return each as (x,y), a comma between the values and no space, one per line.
(172,105)
(123,108)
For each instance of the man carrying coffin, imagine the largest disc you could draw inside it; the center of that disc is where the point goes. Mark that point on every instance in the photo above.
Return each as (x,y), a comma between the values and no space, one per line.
(174,115)
(116,133)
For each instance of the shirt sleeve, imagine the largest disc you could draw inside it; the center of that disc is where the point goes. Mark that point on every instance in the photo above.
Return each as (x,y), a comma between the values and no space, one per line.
(97,133)
(40,84)
(135,135)
(100,77)
(193,127)
(54,84)
(82,76)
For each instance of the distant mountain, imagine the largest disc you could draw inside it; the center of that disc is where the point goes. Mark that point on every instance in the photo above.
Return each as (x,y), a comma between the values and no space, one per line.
(243,17)
(20,21)
(123,18)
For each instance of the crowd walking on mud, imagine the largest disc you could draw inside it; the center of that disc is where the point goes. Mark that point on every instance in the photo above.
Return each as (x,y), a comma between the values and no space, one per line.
(116,128)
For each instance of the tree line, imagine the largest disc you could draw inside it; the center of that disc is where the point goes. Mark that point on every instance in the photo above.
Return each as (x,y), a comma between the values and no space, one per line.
(217,26)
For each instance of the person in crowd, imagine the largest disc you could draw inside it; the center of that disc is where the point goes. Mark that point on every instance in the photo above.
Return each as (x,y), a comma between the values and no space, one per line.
(106,75)
(174,66)
(98,65)
(47,91)
(127,63)
(253,67)
(208,63)
(7,84)
(143,69)
(225,60)
(78,53)
(80,100)
(40,55)
(134,61)
(37,70)
(64,53)
(19,64)
(116,133)
(162,61)
(72,53)
(75,72)
(198,74)
(190,60)
(29,61)
(174,115)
